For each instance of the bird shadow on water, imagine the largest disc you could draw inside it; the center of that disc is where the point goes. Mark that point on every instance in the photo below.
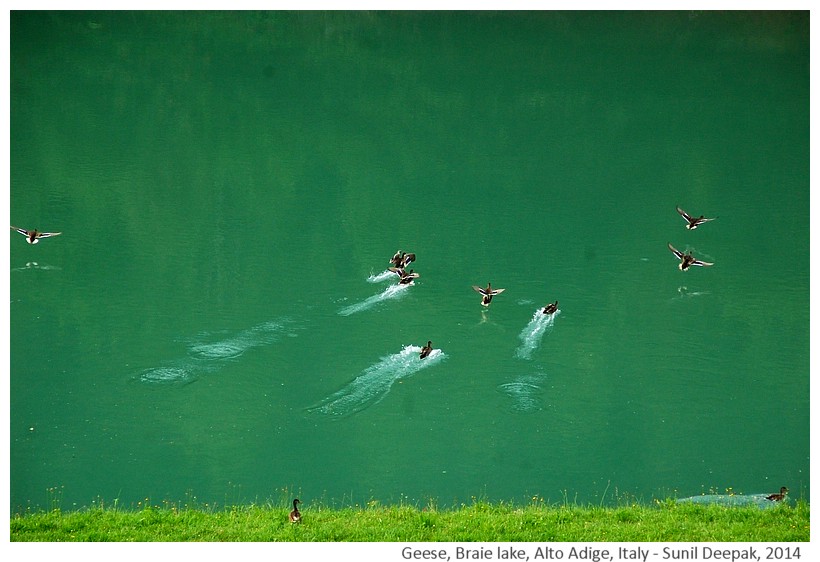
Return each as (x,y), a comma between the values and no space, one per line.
(373,384)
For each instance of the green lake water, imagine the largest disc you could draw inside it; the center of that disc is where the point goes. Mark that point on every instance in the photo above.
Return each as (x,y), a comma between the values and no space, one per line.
(214,324)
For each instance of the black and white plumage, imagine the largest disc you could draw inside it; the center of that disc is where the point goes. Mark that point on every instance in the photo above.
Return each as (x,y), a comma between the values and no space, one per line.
(687,259)
(405,277)
(33,236)
(692,222)
(487,294)
(402,259)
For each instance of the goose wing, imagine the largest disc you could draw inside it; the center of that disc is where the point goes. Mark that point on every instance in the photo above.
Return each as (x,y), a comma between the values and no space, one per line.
(684,214)
(677,253)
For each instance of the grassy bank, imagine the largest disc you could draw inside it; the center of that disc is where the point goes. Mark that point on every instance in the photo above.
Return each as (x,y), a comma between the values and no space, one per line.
(666,521)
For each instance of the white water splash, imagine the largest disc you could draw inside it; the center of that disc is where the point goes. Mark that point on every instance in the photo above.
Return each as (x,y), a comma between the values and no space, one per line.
(758,500)
(391,292)
(375,382)
(531,335)
(383,276)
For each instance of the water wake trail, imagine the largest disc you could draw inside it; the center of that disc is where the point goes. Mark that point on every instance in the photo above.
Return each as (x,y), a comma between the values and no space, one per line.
(531,335)
(383,276)
(375,382)
(174,373)
(758,500)
(208,357)
(391,292)
(178,376)
(263,334)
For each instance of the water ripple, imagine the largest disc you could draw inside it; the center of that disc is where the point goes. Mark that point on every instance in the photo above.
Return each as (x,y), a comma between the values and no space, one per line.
(209,356)
(263,334)
(168,376)
(525,391)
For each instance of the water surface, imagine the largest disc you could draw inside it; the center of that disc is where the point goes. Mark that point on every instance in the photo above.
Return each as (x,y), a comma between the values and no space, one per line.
(215,323)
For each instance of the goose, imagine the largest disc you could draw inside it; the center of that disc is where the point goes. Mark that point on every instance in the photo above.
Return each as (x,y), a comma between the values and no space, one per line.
(402,259)
(295,516)
(425,351)
(692,222)
(405,277)
(778,497)
(687,260)
(33,236)
(550,308)
(487,294)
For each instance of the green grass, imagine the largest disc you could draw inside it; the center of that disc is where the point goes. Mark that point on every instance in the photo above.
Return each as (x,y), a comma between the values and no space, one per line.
(481,521)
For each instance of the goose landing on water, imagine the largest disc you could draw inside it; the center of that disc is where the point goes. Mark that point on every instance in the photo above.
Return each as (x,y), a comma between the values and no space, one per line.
(687,259)
(402,259)
(405,277)
(487,294)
